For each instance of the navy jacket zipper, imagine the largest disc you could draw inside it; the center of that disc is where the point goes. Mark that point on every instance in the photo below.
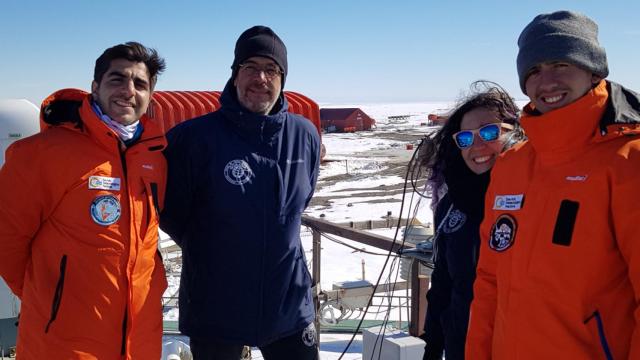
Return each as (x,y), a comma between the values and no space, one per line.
(603,339)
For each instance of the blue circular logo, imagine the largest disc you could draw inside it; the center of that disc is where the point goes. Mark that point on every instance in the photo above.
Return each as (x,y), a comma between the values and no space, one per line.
(105,210)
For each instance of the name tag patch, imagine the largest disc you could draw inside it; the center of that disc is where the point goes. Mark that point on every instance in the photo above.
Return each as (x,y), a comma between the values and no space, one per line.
(508,202)
(104,183)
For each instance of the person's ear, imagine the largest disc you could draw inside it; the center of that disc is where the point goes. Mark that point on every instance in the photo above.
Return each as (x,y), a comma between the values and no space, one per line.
(94,89)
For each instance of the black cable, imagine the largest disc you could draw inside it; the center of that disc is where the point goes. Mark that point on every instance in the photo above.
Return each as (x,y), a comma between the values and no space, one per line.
(386,320)
(395,237)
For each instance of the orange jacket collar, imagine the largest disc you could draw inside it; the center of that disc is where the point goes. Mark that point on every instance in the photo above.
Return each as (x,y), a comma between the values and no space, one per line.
(566,131)
(92,123)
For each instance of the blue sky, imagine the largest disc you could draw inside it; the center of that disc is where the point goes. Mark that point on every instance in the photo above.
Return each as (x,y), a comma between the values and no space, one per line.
(340,51)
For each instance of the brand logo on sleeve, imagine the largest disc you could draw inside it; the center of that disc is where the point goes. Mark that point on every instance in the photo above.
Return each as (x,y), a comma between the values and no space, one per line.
(454,221)
(508,202)
(104,183)
(105,210)
(309,335)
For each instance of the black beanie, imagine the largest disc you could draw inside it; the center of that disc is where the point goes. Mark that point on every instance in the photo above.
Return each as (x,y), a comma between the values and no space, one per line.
(561,36)
(260,41)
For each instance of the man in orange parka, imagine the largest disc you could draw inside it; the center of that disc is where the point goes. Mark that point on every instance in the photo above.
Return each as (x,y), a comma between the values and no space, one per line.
(559,269)
(79,218)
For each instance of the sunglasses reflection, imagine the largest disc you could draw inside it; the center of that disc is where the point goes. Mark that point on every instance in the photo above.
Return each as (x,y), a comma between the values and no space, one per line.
(487,133)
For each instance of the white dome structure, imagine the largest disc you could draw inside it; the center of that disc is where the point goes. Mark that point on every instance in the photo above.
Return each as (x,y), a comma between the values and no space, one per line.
(19,118)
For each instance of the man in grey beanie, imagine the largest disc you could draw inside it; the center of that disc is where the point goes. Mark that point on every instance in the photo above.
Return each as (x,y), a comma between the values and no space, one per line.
(238,181)
(559,269)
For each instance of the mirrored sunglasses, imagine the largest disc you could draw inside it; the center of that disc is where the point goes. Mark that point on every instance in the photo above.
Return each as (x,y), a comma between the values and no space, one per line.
(487,133)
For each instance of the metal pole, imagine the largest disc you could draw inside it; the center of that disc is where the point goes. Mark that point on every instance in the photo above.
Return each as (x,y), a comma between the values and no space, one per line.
(317,247)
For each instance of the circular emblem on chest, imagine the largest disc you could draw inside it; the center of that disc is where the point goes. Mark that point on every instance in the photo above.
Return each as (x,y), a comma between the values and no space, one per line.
(454,221)
(238,172)
(105,210)
(503,233)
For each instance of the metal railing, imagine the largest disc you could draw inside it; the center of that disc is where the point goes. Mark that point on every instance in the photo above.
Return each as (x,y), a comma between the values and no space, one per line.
(418,283)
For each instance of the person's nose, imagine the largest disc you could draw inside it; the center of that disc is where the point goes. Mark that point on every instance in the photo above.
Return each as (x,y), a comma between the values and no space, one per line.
(128,88)
(548,80)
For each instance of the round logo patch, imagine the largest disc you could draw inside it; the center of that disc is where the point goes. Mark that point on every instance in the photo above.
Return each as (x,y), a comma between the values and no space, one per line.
(309,335)
(105,210)
(454,221)
(238,172)
(503,233)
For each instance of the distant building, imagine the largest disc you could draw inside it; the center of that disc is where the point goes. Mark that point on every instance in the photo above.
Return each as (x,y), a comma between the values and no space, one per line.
(345,120)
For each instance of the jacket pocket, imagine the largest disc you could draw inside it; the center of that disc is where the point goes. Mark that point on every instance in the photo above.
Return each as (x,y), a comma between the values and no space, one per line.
(154,196)
(57,295)
(152,201)
(596,320)
(565,222)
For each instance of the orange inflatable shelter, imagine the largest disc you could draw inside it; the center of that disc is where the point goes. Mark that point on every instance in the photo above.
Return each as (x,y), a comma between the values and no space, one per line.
(173,107)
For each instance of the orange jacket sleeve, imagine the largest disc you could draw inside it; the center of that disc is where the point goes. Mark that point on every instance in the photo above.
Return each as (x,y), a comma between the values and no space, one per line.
(483,307)
(625,215)
(25,202)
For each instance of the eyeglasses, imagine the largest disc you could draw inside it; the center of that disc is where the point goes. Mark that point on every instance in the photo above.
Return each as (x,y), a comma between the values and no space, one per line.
(270,72)
(488,133)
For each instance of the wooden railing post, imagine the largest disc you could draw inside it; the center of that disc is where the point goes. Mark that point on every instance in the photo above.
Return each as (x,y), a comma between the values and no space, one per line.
(419,287)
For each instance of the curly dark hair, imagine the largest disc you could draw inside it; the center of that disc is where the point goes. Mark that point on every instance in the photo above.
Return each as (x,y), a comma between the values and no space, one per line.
(439,149)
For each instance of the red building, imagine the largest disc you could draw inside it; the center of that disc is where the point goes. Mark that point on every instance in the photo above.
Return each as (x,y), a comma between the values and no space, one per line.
(345,120)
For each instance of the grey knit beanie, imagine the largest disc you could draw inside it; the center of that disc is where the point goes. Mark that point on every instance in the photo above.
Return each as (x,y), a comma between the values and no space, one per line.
(561,36)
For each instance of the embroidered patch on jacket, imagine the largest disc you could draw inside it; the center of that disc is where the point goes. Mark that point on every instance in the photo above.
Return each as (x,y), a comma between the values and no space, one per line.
(104,183)
(309,335)
(454,221)
(238,172)
(105,210)
(508,202)
(503,233)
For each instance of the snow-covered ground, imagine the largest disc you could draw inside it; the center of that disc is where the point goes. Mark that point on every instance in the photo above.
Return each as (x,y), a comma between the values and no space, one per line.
(363,156)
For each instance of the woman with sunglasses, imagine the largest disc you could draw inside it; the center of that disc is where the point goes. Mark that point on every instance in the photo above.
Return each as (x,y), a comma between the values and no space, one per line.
(459,157)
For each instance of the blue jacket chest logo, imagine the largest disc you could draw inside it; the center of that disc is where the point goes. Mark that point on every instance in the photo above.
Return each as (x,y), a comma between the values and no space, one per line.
(238,172)
(454,221)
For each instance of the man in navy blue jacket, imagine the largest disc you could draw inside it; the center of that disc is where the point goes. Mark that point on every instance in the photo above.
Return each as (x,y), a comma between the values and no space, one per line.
(238,181)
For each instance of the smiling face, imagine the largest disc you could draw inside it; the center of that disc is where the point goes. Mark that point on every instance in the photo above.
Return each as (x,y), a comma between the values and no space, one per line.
(481,155)
(554,85)
(257,92)
(124,92)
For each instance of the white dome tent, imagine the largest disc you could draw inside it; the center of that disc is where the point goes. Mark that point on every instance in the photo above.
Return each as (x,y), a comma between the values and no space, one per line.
(18,119)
